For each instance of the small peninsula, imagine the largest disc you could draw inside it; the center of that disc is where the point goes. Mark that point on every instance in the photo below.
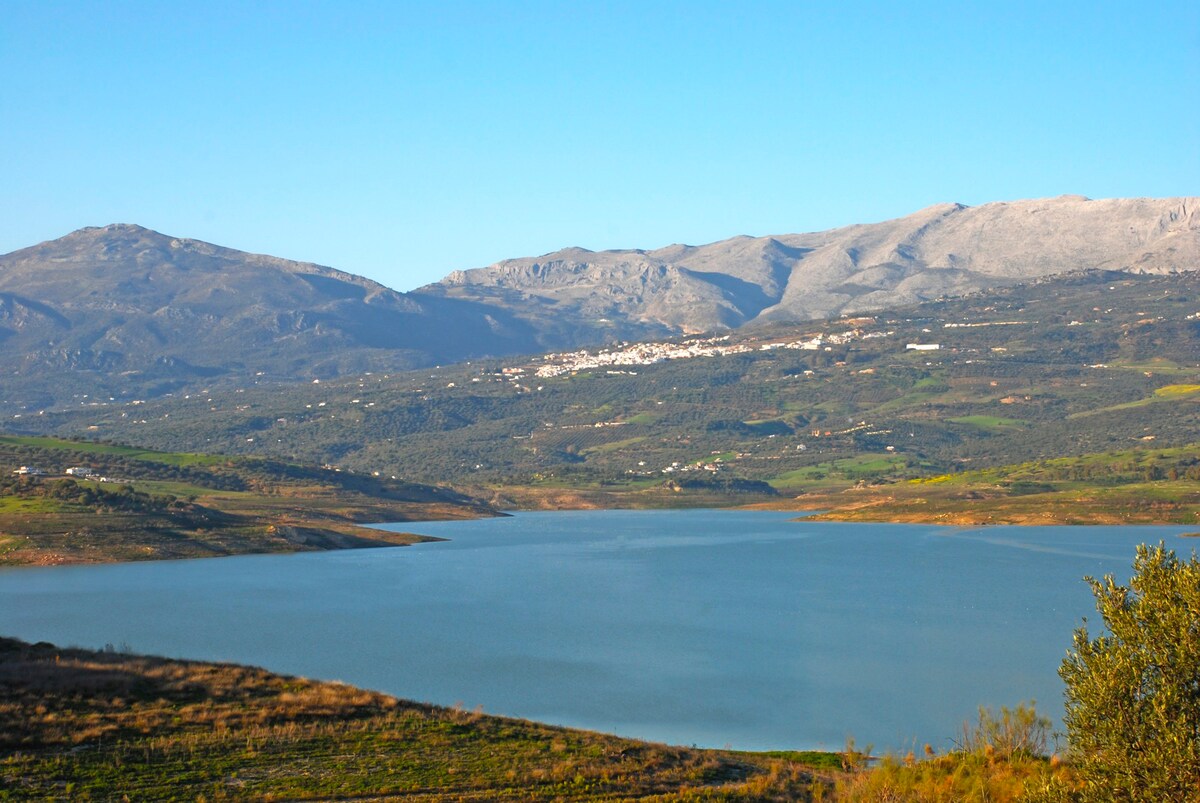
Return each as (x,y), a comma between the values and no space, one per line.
(84,502)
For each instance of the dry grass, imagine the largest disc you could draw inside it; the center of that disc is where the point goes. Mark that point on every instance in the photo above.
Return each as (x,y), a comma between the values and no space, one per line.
(1000,760)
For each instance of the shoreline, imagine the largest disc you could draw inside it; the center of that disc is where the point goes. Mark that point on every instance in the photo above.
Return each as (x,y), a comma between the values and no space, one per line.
(305,535)
(61,540)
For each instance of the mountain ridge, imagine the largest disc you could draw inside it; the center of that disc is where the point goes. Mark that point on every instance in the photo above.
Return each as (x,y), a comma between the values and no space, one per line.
(944,249)
(121,309)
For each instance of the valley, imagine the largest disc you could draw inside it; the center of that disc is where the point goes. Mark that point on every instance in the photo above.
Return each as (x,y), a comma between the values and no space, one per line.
(844,411)
(1069,399)
(656,402)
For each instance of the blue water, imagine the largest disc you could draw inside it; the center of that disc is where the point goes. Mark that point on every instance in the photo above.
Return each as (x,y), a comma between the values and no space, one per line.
(691,627)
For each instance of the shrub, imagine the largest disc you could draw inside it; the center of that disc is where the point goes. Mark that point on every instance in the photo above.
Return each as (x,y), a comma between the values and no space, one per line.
(1133,694)
(1011,732)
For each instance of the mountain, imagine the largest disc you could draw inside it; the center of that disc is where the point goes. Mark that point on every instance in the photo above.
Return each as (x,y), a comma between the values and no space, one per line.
(944,250)
(125,310)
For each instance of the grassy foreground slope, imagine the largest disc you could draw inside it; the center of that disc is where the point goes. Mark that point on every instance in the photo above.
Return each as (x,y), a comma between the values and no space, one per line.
(156,505)
(77,724)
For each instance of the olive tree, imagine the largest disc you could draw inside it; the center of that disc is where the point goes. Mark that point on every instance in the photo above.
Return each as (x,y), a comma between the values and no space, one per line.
(1133,692)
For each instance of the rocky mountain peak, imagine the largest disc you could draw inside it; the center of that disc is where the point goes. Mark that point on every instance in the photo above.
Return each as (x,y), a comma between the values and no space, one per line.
(944,249)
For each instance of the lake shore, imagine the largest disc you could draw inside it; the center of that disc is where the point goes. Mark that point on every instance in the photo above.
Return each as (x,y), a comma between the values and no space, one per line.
(217,525)
(909,502)
(62,540)
(320,518)
(913,503)
(73,502)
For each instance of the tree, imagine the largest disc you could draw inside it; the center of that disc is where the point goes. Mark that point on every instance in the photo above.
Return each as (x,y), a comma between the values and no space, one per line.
(1133,694)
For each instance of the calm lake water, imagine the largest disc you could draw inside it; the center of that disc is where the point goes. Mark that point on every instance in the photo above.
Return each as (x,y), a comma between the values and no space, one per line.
(692,627)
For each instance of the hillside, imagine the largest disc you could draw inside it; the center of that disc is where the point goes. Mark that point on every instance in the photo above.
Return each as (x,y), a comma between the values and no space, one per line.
(945,250)
(126,312)
(78,502)
(1132,486)
(1088,363)
(95,725)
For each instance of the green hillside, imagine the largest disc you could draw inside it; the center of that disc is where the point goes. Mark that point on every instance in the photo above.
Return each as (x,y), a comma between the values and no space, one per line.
(1088,363)
(1141,485)
(124,503)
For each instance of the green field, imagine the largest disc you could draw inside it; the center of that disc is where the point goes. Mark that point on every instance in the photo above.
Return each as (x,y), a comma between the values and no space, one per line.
(1159,365)
(88,447)
(839,473)
(19,504)
(989,422)
(614,446)
(1176,391)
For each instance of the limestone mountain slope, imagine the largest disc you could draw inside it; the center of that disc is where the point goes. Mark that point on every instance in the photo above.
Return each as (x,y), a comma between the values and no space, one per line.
(944,250)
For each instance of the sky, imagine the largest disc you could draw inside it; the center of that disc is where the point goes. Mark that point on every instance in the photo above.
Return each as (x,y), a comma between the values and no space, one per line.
(403,140)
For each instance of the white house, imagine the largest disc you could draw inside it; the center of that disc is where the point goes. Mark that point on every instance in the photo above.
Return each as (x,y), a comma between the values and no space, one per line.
(80,471)
(923,346)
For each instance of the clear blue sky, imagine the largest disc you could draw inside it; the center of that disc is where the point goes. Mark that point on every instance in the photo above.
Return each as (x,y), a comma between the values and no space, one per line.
(401,140)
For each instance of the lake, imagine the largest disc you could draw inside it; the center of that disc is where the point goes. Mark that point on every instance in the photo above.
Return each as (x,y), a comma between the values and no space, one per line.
(704,627)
